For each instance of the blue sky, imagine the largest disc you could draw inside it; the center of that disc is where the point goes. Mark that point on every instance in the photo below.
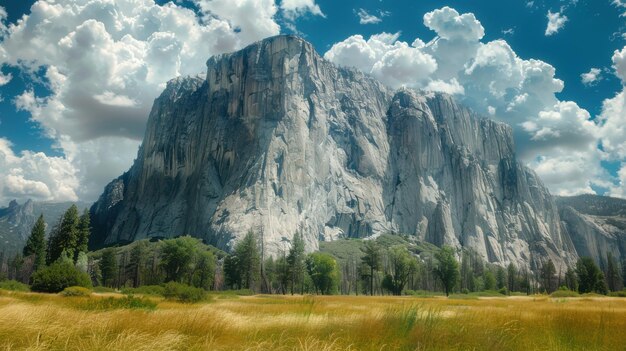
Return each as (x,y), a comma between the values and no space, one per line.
(53,134)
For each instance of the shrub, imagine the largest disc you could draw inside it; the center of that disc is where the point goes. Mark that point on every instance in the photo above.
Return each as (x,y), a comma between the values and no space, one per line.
(113,303)
(155,290)
(621,293)
(564,292)
(76,291)
(183,293)
(465,291)
(13,285)
(503,291)
(58,276)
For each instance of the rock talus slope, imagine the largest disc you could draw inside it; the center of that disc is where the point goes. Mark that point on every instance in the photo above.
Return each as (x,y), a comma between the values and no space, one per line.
(276,140)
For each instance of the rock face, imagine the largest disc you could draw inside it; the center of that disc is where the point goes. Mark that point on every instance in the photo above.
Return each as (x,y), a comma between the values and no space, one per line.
(276,140)
(596,225)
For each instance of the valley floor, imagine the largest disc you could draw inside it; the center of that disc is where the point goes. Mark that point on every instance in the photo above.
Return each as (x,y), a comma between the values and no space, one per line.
(228,322)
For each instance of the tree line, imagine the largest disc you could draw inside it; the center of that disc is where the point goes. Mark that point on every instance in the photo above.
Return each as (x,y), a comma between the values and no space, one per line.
(378,270)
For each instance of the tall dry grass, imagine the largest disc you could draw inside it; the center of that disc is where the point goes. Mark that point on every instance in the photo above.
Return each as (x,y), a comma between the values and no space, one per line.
(49,322)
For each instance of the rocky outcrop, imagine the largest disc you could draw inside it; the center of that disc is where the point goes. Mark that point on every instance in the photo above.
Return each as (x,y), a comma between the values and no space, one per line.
(276,140)
(596,225)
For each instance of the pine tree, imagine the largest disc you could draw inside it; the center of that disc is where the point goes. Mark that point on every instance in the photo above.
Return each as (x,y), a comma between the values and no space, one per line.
(108,267)
(512,277)
(613,277)
(501,278)
(137,261)
(571,282)
(36,243)
(64,236)
(296,262)
(590,277)
(548,270)
(249,261)
(372,258)
(84,231)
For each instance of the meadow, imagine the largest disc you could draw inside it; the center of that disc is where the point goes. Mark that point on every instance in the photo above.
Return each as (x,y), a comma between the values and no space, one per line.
(229,322)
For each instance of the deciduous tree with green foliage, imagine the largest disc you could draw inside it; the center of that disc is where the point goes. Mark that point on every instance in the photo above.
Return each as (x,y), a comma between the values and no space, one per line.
(204,271)
(177,257)
(324,272)
(58,276)
(36,243)
(401,266)
(447,268)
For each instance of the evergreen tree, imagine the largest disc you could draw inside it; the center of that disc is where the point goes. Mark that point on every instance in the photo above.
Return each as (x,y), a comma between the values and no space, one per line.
(138,257)
(613,277)
(108,267)
(248,261)
(64,236)
(489,280)
(296,261)
(231,272)
(84,231)
(511,277)
(36,243)
(283,275)
(571,282)
(590,278)
(204,273)
(548,271)
(447,269)
(501,280)
(372,258)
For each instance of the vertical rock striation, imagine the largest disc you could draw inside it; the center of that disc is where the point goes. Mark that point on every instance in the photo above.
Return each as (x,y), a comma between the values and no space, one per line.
(276,140)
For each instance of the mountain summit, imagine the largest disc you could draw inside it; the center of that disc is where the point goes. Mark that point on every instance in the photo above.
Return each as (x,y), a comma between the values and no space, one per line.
(276,140)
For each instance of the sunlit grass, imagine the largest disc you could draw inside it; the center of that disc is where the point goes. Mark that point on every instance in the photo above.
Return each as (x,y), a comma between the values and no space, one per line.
(43,322)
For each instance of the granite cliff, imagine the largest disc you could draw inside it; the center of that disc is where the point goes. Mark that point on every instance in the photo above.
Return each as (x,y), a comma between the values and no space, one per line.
(276,140)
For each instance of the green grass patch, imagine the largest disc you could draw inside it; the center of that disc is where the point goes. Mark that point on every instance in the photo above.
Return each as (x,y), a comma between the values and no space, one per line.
(13,285)
(76,291)
(103,289)
(564,293)
(115,303)
(153,290)
(184,293)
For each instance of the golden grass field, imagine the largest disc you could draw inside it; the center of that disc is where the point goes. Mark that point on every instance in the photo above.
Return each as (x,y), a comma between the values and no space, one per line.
(30,321)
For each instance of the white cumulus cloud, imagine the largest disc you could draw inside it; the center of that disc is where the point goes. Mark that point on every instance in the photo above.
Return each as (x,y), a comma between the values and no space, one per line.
(36,176)
(104,63)
(591,77)
(367,18)
(556,21)
(295,8)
